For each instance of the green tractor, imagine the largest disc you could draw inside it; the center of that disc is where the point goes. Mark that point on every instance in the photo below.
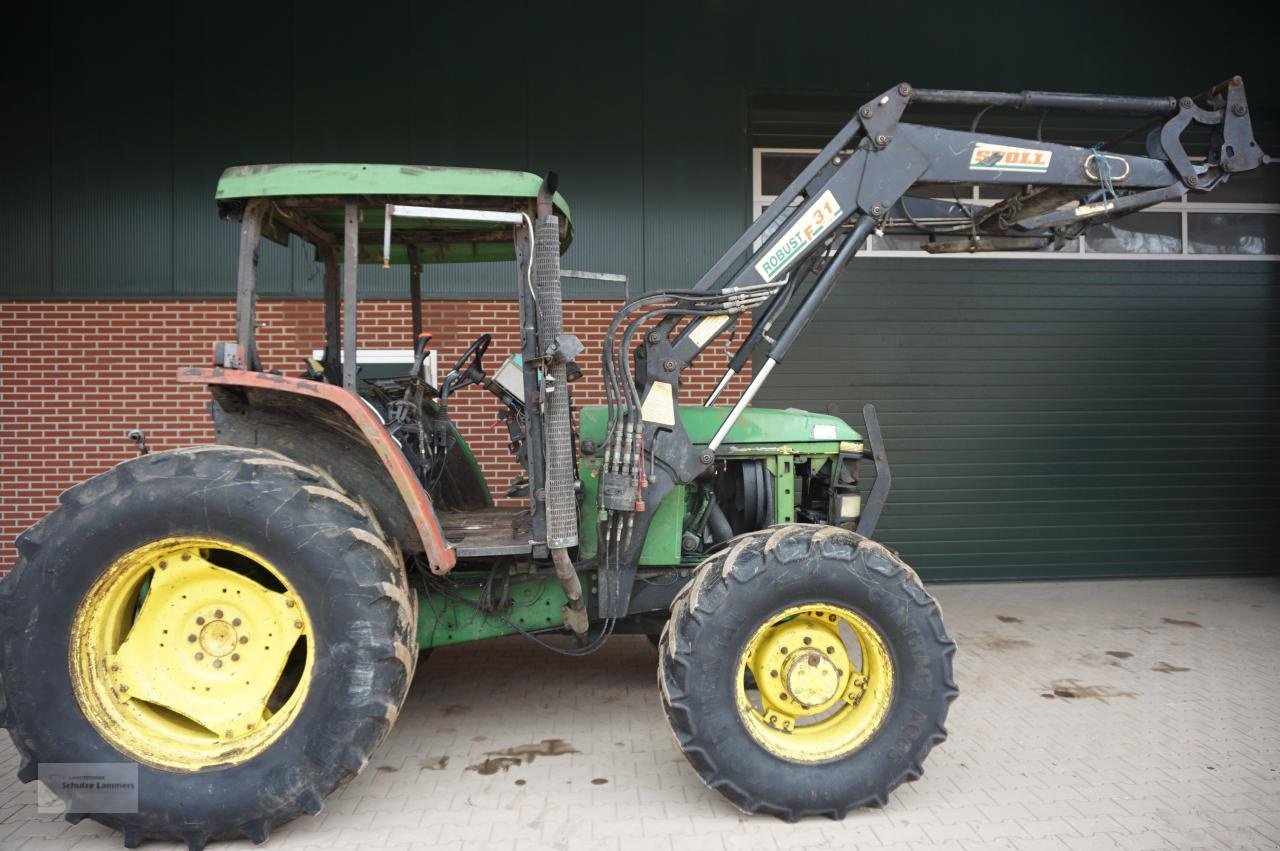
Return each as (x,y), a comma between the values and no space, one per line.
(241,621)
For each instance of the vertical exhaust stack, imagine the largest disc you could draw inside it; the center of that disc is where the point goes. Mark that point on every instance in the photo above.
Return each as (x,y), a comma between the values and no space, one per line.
(556,349)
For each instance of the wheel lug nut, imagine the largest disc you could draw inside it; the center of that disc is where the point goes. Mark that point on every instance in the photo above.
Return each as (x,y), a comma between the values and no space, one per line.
(218,613)
(163,565)
(808,640)
(191,637)
(773,673)
(199,620)
(186,556)
(783,651)
(235,657)
(297,624)
(199,656)
(235,621)
(289,603)
(831,651)
(217,663)
(831,618)
(244,639)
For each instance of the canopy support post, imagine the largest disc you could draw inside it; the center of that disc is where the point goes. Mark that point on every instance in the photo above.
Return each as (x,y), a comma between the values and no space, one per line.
(332,321)
(415,289)
(350,267)
(247,284)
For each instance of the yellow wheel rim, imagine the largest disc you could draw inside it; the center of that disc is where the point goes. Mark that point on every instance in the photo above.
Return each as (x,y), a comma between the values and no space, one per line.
(190,653)
(823,683)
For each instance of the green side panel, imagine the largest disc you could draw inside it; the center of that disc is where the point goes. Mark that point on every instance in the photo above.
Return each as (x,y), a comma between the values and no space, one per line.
(755,426)
(1056,418)
(782,468)
(534,605)
(464,448)
(661,545)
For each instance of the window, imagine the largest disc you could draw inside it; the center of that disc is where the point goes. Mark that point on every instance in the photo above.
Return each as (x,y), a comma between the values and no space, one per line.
(388,363)
(1239,220)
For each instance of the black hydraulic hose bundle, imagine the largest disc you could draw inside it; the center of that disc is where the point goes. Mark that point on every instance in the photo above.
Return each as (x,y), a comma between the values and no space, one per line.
(624,439)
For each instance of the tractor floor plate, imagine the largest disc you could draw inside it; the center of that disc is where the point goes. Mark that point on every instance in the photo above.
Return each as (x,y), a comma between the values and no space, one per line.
(488,532)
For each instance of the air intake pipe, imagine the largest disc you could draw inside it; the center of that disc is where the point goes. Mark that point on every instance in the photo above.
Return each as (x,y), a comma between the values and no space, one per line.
(556,349)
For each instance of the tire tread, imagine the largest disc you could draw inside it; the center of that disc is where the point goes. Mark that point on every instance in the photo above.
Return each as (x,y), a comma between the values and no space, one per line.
(789,547)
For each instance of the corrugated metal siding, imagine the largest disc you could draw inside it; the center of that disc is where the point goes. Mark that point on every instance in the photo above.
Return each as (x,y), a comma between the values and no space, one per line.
(223,116)
(696,178)
(1059,418)
(112,153)
(1044,417)
(127,117)
(25,169)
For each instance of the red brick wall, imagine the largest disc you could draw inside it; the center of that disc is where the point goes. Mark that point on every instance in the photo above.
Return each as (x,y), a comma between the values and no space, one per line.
(75,376)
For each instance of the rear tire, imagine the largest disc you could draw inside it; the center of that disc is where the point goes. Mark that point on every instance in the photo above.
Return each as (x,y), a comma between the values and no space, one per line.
(762,583)
(349,583)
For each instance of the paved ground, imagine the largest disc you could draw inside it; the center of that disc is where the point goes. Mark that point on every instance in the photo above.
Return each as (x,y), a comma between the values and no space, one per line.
(1127,715)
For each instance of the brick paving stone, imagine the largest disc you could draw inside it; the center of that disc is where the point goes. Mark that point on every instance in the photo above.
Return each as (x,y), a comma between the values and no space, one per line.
(1169,766)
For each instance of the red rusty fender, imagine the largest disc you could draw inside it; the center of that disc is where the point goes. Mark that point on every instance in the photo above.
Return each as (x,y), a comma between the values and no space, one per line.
(440,555)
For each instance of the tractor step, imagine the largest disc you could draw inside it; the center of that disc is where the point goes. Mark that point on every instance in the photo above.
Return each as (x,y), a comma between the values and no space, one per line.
(489,532)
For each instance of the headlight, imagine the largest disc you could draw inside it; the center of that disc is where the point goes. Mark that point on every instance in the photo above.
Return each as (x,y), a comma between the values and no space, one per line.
(846,506)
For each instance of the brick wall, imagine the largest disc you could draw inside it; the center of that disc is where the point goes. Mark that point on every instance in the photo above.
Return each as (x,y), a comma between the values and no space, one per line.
(75,376)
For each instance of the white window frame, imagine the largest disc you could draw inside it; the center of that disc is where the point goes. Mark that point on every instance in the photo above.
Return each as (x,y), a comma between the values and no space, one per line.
(391,357)
(760,201)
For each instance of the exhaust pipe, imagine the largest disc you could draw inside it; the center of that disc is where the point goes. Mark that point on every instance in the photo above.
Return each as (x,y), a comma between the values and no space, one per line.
(556,349)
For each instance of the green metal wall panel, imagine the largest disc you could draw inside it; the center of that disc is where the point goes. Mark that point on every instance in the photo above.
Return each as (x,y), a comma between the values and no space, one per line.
(1044,417)
(1053,418)
(586,123)
(25,170)
(696,178)
(112,152)
(214,122)
(130,116)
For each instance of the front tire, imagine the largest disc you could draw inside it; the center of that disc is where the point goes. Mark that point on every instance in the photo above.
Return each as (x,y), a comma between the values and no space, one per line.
(184,568)
(805,671)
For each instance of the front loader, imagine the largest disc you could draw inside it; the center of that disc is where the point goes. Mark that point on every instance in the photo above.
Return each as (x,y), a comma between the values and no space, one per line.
(241,621)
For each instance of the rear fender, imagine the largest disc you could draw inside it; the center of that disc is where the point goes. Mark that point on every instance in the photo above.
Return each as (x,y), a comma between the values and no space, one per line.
(322,425)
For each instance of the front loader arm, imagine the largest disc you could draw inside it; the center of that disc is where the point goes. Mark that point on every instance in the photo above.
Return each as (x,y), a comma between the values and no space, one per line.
(792,255)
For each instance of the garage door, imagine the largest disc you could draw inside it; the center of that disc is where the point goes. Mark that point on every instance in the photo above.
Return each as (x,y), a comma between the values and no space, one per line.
(1059,418)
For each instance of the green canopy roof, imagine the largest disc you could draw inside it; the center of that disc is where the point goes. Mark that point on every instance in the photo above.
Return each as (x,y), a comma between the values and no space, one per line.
(308,200)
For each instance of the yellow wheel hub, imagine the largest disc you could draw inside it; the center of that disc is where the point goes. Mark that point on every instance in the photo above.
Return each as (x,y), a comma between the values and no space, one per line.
(189,653)
(823,683)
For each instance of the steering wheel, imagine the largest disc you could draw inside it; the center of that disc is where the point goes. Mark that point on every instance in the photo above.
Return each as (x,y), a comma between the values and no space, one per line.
(467,370)
(470,358)
(473,354)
